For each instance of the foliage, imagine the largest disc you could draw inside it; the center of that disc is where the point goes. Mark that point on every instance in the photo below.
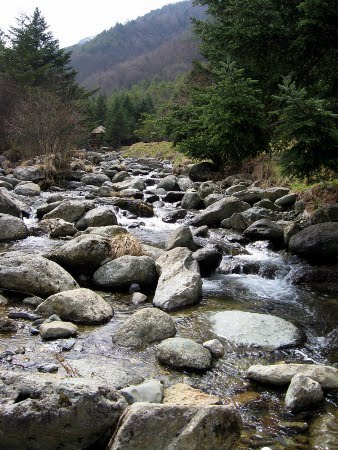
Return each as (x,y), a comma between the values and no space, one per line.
(42,107)
(33,58)
(306,132)
(224,121)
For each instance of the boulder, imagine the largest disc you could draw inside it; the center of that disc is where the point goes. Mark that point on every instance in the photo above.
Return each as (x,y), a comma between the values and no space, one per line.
(69,210)
(267,204)
(98,217)
(150,391)
(153,252)
(208,259)
(212,198)
(182,353)
(265,229)
(30,173)
(144,327)
(191,200)
(180,283)
(218,211)
(235,222)
(12,228)
(152,427)
(138,298)
(27,188)
(185,395)
(202,171)
(120,176)
(125,270)
(169,183)
(57,330)
(56,412)
(286,200)
(181,237)
(208,188)
(255,330)
(326,214)
(303,392)
(33,274)
(174,216)
(282,374)
(275,193)
(252,195)
(95,179)
(173,196)
(108,231)
(77,305)
(84,252)
(8,205)
(57,228)
(317,243)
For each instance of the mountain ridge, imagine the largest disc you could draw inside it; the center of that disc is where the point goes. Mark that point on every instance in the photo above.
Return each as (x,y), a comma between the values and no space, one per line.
(158,43)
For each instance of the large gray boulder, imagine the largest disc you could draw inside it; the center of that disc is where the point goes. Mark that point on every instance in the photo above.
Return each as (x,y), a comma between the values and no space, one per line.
(57,228)
(77,305)
(275,193)
(180,282)
(182,353)
(44,411)
(69,210)
(27,188)
(265,229)
(168,183)
(303,392)
(124,271)
(147,426)
(8,205)
(317,243)
(12,228)
(181,237)
(191,200)
(33,274)
(282,374)
(218,211)
(83,252)
(327,214)
(255,330)
(144,327)
(30,173)
(95,179)
(202,171)
(97,217)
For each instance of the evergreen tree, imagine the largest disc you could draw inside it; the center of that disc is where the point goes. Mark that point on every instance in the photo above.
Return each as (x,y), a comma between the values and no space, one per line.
(34,59)
(306,132)
(224,122)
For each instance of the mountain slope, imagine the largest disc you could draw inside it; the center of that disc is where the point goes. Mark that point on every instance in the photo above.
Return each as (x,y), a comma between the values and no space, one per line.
(158,43)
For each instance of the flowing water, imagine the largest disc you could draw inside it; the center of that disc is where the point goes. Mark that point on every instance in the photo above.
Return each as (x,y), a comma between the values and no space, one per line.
(259,280)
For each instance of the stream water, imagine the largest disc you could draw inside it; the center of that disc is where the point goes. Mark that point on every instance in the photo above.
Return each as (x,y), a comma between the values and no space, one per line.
(259,280)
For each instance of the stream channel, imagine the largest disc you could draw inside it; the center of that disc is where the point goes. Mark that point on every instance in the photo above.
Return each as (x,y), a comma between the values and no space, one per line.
(266,289)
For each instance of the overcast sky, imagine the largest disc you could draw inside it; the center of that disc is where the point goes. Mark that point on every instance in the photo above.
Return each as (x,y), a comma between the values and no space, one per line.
(72,20)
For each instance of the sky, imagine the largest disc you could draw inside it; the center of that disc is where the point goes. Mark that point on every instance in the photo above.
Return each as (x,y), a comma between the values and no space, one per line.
(72,20)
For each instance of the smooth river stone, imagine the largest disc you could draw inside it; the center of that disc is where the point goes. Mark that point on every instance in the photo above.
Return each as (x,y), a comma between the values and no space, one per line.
(255,330)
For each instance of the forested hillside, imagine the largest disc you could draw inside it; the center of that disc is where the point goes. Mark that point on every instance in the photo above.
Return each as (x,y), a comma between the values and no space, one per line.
(158,43)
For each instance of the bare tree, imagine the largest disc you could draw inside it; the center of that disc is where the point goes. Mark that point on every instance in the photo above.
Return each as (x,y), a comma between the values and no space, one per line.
(42,125)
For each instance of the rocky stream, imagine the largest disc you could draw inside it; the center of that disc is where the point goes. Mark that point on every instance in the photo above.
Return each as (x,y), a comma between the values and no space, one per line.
(173,294)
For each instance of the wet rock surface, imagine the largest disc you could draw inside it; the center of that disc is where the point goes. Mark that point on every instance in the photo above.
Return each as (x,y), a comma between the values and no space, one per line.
(253,277)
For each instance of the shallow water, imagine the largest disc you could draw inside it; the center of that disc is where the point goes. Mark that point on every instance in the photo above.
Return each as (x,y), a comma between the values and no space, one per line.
(315,313)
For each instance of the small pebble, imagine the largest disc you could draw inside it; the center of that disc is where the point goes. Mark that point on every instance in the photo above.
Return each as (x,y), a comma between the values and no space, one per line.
(134,287)
(48,368)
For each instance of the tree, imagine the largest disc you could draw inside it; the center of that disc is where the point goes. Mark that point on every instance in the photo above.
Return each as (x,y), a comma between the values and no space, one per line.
(34,59)
(224,122)
(43,125)
(306,132)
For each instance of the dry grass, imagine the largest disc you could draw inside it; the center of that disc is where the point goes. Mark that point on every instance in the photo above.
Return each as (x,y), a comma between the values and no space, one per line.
(318,195)
(158,150)
(264,169)
(125,244)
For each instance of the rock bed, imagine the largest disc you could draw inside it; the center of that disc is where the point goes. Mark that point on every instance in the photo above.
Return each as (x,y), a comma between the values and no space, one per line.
(194,228)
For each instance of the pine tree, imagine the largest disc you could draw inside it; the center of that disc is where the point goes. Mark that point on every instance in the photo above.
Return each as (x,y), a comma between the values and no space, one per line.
(34,58)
